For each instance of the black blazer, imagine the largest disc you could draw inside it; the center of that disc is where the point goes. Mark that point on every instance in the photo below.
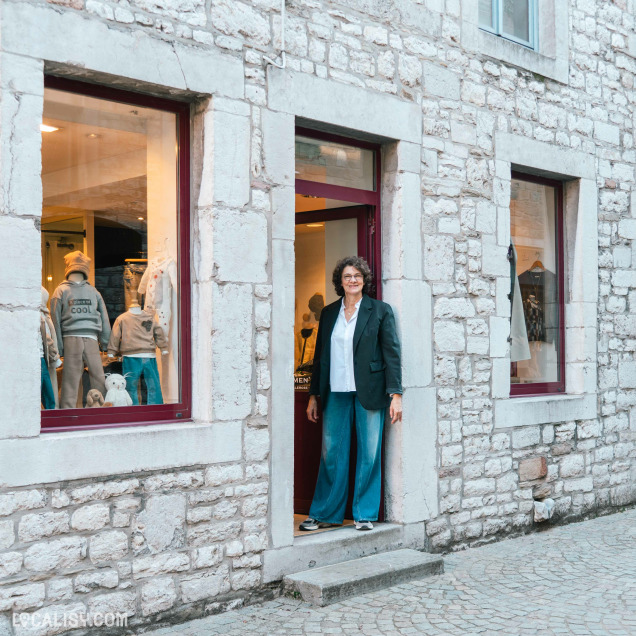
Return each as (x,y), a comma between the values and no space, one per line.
(376,354)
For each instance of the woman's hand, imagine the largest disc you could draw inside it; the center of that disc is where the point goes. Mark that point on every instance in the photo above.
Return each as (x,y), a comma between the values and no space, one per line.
(312,409)
(395,410)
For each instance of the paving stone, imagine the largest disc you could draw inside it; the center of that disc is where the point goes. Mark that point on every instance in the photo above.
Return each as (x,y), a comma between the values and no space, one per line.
(575,579)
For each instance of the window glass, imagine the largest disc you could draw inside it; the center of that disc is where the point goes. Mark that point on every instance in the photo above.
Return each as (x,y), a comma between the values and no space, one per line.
(334,164)
(319,246)
(535,321)
(109,253)
(515,19)
(485,14)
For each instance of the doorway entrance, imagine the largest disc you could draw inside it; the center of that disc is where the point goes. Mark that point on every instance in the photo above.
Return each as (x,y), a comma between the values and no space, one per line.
(337,215)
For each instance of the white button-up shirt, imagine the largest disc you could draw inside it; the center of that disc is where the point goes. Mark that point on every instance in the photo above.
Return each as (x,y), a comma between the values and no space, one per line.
(341,378)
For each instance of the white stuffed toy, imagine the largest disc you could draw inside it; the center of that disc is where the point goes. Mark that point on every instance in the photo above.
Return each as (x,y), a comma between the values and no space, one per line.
(116,390)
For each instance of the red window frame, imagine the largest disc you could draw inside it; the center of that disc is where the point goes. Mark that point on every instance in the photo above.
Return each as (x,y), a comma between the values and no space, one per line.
(352,195)
(558,387)
(81,419)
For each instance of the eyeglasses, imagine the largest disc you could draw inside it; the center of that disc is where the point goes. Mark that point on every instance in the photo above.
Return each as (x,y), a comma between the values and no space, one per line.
(347,278)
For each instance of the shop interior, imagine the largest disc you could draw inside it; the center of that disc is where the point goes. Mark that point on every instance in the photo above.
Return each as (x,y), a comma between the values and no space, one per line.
(535,335)
(109,178)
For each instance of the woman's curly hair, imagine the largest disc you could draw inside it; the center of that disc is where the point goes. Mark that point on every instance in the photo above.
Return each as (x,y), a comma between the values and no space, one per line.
(354,261)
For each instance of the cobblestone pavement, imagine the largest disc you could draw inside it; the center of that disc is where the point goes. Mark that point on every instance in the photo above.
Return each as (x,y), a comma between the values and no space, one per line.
(576,579)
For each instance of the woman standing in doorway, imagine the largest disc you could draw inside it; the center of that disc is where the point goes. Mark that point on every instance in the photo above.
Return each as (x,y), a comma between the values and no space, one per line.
(357,370)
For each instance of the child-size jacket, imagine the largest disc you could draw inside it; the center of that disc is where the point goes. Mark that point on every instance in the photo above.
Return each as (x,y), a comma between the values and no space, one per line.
(136,333)
(78,309)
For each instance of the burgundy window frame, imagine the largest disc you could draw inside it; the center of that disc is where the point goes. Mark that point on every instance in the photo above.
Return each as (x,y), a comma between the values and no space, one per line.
(144,415)
(558,387)
(352,195)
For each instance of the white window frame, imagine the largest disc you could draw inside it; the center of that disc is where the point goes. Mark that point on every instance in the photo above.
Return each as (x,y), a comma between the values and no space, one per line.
(496,27)
(550,55)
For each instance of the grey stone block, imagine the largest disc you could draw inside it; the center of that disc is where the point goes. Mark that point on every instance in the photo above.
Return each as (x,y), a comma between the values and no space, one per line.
(334,583)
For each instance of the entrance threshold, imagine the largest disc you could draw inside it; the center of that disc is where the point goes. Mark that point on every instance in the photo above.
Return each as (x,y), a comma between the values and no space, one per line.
(314,550)
(298,519)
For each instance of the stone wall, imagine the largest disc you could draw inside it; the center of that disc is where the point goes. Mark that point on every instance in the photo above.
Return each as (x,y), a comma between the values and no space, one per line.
(183,543)
(103,543)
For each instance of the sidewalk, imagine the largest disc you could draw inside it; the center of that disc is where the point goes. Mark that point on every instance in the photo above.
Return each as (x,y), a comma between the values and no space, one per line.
(576,579)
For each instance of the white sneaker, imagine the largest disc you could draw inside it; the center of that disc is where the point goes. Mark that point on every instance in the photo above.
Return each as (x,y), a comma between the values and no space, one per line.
(313,524)
(364,525)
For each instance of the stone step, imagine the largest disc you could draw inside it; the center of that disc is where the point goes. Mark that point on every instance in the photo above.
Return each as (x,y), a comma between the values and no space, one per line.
(333,583)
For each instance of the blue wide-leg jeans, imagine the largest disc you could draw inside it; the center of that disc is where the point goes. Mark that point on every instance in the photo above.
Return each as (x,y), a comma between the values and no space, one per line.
(133,369)
(330,496)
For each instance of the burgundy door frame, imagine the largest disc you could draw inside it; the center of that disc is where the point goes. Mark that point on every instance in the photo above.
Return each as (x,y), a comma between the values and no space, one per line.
(558,387)
(80,419)
(353,195)
(307,437)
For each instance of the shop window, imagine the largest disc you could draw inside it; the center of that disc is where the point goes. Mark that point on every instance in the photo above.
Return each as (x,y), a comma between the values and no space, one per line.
(514,20)
(536,257)
(115,279)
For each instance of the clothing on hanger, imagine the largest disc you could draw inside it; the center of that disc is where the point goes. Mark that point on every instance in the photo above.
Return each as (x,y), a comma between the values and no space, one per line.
(159,283)
(519,349)
(540,303)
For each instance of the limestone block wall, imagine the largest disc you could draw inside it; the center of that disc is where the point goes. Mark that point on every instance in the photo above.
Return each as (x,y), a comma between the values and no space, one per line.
(162,541)
(147,546)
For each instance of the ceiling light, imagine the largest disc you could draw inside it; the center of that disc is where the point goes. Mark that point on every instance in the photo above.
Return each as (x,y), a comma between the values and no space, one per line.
(315,224)
(141,218)
(93,136)
(45,128)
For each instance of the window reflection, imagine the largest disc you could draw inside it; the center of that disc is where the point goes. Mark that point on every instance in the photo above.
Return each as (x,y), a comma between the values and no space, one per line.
(110,333)
(535,329)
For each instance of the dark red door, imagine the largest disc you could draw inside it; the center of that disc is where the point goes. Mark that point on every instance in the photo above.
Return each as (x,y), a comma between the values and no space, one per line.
(336,233)
(337,212)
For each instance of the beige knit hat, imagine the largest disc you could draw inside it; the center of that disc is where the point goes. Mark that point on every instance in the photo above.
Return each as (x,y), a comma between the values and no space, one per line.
(77,262)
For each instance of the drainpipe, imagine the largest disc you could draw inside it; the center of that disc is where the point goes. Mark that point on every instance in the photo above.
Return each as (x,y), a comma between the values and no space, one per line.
(283,61)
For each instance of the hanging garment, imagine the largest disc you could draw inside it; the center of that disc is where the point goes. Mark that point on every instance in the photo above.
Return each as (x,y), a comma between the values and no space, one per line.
(540,303)
(133,273)
(519,349)
(159,284)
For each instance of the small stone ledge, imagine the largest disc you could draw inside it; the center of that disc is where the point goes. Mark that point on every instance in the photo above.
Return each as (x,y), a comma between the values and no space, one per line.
(530,411)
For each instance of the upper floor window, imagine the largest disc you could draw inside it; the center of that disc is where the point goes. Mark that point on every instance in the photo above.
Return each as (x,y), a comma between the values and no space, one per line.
(514,20)
(114,330)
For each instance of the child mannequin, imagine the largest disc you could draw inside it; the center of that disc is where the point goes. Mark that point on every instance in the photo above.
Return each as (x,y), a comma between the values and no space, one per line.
(81,321)
(135,335)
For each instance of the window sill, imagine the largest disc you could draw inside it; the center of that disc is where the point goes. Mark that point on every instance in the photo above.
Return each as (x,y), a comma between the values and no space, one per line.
(117,451)
(529,411)
(522,56)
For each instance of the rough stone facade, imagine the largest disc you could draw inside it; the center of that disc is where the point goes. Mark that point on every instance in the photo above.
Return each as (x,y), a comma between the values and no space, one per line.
(162,524)
(142,546)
